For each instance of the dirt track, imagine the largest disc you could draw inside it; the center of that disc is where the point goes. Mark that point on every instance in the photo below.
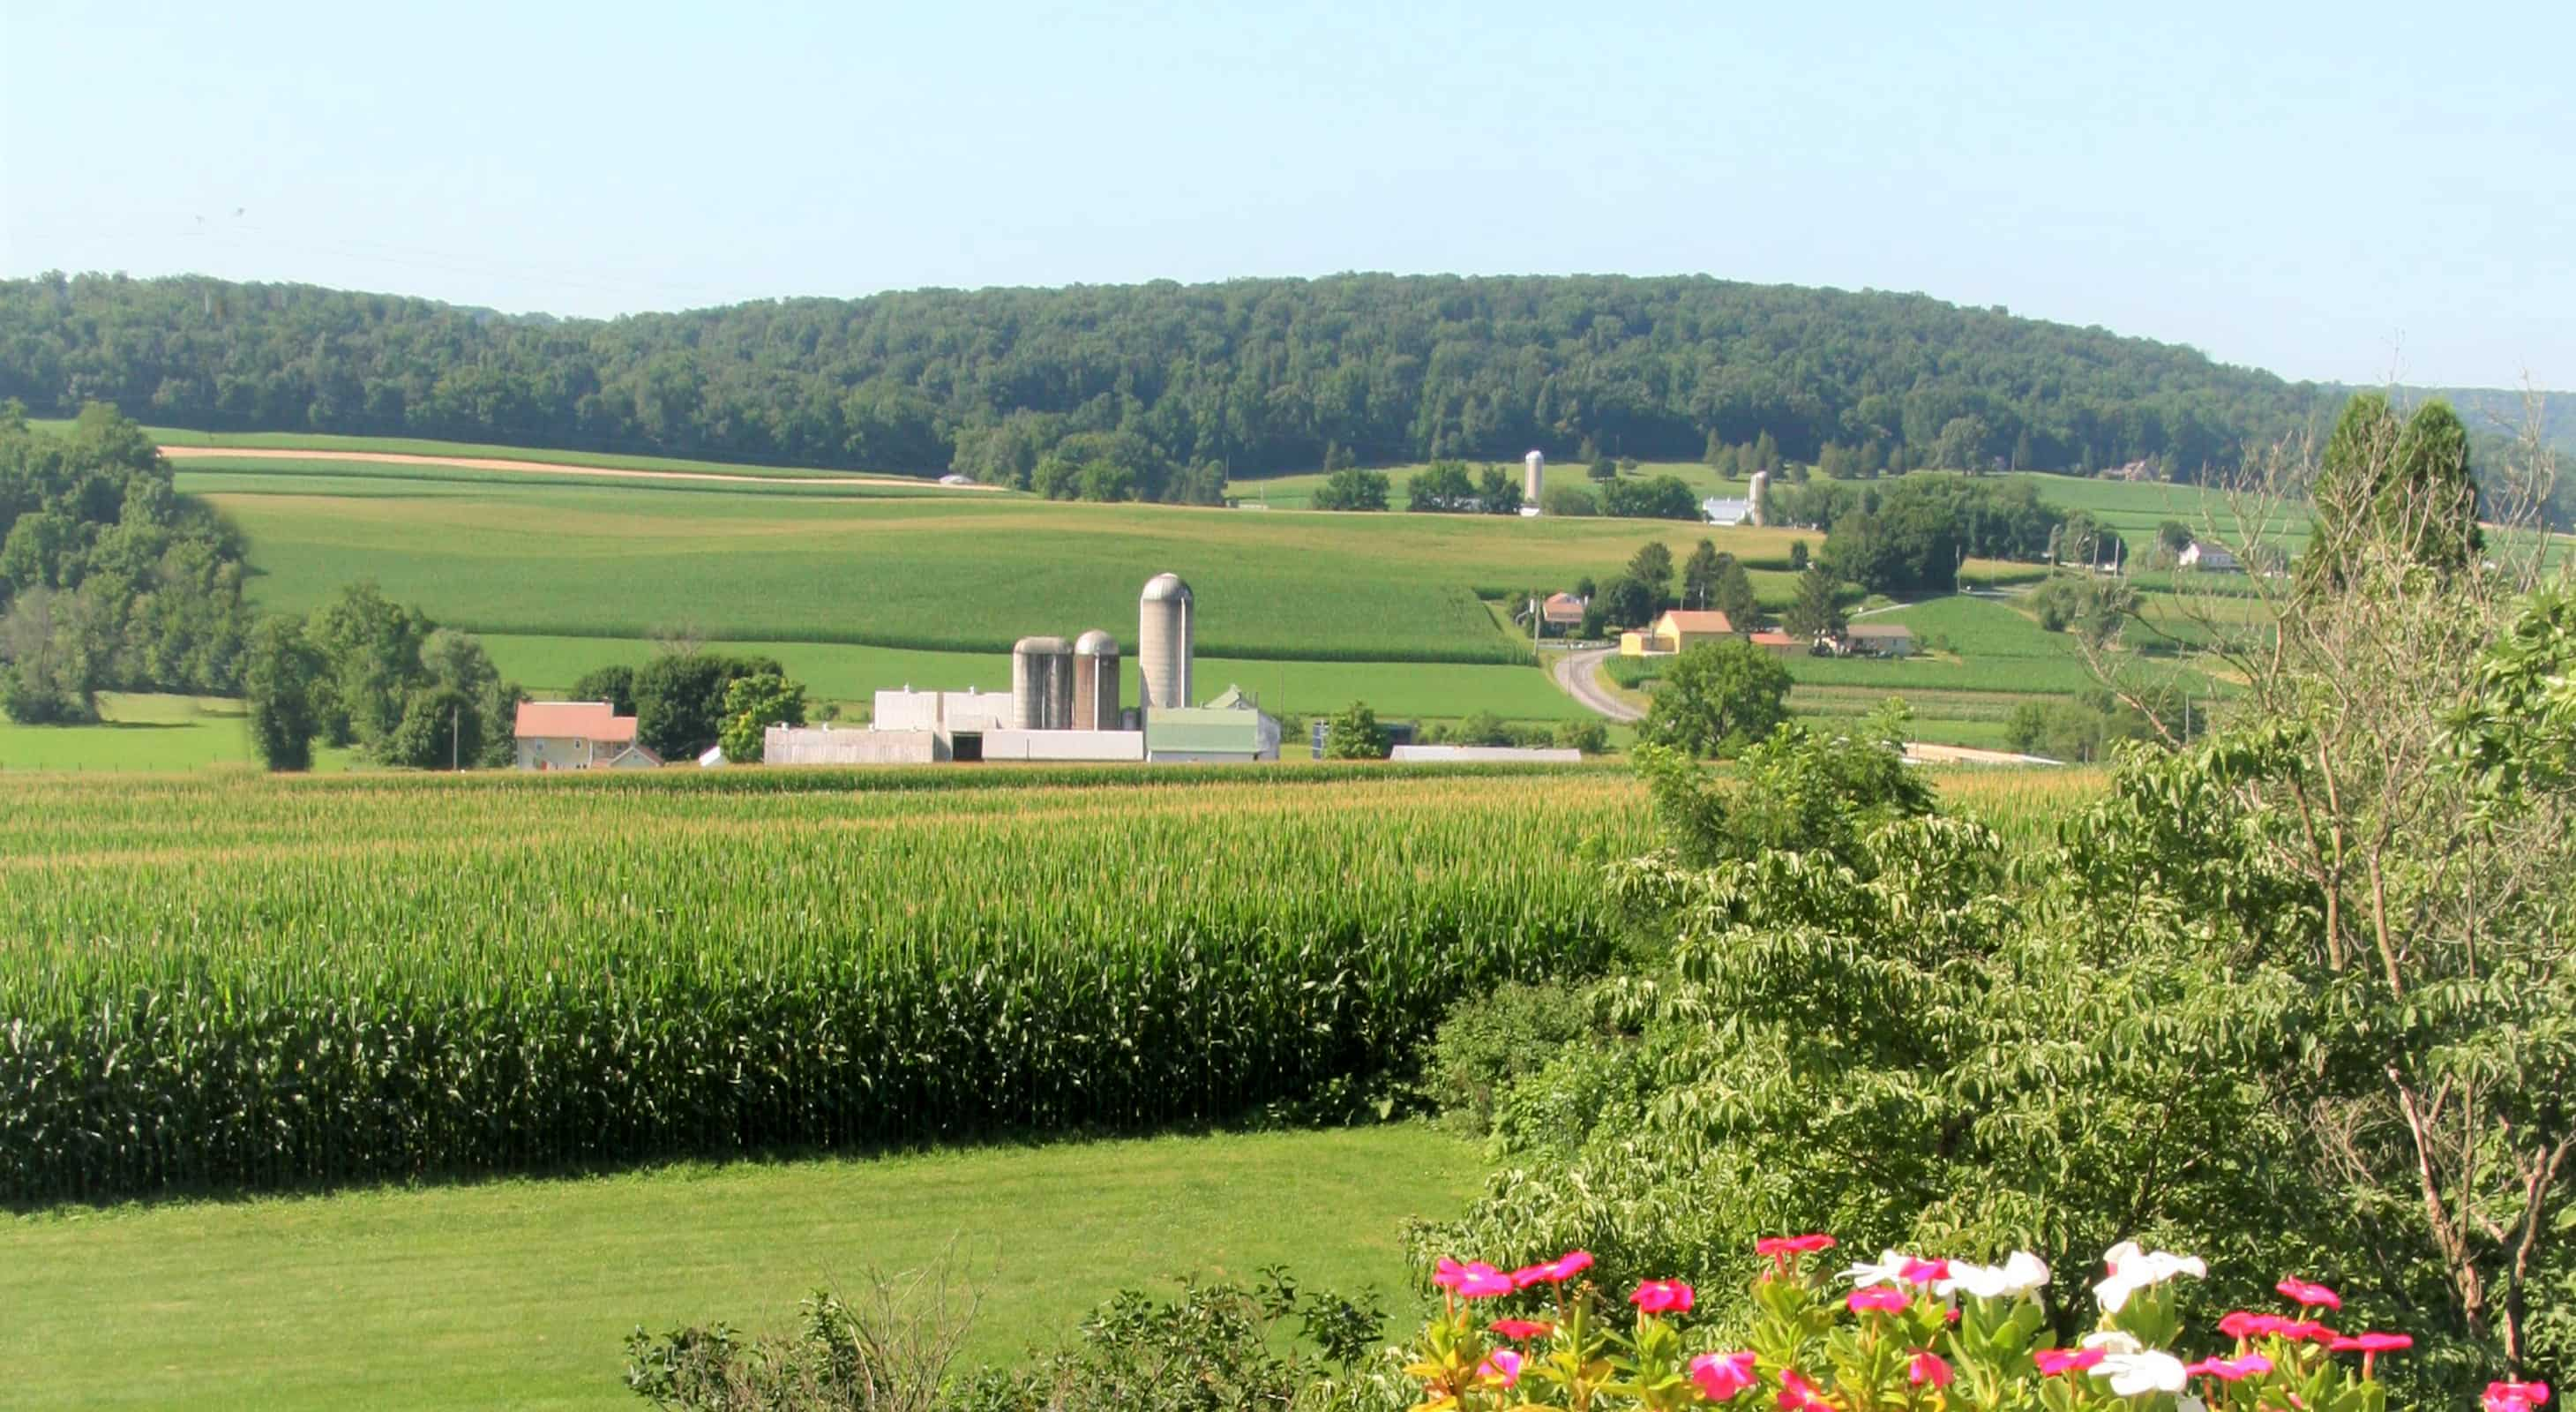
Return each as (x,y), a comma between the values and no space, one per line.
(550,468)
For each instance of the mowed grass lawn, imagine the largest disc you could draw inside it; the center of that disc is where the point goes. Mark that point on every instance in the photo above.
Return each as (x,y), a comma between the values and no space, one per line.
(143,732)
(616,560)
(520,1294)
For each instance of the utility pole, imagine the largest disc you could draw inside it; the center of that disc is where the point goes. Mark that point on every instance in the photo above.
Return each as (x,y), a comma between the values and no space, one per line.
(452,738)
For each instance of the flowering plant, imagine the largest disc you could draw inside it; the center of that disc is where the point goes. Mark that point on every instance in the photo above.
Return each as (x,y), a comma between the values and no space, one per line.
(1906,1333)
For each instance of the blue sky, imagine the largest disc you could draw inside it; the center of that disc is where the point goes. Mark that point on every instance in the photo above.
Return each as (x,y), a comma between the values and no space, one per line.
(2338,192)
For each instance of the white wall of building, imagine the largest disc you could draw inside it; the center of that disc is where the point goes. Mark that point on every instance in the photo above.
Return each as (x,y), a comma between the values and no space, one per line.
(1461,754)
(1064,745)
(822,745)
(949,711)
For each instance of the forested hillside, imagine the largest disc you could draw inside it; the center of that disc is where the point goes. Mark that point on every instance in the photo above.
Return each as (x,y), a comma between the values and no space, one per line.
(1176,384)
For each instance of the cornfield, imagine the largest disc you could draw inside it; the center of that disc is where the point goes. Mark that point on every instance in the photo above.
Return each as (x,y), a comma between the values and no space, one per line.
(233,982)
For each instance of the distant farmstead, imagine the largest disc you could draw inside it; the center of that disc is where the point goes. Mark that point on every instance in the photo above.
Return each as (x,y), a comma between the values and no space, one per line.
(578,735)
(1562,612)
(1879,640)
(2202,555)
(1725,510)
(1678,630)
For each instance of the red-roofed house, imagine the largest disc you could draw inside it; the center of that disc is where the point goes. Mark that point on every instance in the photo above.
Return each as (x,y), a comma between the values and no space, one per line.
(578,735)
(1562,613)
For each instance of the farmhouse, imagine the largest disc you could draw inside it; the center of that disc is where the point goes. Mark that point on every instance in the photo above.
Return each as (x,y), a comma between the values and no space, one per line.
(1678,630)
(2201,555)
(1562,613)
(1878,640)
(578,735)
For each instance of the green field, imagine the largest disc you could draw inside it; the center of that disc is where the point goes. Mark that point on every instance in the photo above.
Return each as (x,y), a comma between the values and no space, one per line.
(520,1294)
(412,446)
(1297,492)
(143,733)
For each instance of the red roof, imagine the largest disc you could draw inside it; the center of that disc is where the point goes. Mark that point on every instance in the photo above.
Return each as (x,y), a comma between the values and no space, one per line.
(574,720)
(1563,608)
(1699,620)
(1770,637)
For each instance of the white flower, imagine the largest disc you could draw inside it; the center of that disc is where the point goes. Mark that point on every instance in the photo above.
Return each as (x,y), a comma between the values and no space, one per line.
(1889,1270)
(2133,1269)
(2134,1374)
(2022,1274)
(2113,1341)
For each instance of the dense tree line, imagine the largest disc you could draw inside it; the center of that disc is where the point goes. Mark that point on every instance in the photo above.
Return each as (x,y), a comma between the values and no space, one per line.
(109,580)
(1909,535)
(365,671)
(1179,385)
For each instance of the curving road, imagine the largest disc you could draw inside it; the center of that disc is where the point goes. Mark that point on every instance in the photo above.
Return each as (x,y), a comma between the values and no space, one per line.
(1575,672)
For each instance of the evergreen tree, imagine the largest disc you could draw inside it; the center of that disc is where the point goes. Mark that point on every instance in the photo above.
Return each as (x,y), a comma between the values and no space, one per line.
(1652,565)
(1766,452)
(1817,611)
(1699,574)
(1735,598)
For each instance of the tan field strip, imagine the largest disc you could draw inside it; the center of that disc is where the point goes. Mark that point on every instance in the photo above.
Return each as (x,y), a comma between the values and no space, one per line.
(551,468)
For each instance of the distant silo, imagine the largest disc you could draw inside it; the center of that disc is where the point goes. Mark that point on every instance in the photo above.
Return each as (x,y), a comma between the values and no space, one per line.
(1095,682)
(1163,621)
(1041,684)
(1537,468)
(1760,492)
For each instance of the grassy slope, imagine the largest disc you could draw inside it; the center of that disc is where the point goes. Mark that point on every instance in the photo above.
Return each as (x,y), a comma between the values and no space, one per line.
(312,441)
(1297,492)
(519,1294)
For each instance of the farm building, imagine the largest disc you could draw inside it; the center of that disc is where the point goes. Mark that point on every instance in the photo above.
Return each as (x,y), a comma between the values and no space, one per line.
(1726,510)
(968,710)
(1676,631)
(1231,728)
(1878,640)
(822,745)
(2200,554)
(1561,613)
(578,735)
(1474,754)
(1781,644)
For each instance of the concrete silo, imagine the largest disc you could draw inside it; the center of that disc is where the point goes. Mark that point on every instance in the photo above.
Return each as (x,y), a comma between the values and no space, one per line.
(1041,684)
(1095,682)
(1536,464)
(1760,492)
(1163,622)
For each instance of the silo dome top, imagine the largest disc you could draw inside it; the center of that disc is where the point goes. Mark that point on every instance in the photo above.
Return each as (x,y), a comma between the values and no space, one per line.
(1163,588)
(1041,646)
(1095,643)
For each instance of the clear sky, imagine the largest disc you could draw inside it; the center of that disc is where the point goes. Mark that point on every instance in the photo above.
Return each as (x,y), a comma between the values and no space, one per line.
(2339,192)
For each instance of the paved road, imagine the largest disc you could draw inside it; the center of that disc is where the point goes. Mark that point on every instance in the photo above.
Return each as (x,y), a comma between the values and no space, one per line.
(1574,675)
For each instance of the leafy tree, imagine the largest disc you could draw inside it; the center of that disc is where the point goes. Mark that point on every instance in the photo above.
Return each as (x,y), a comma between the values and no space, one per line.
(1653,498)
(1766,452)
(1625,601)
(751,706)
(1603,469)
(1352,489)
(1354,734)
(1962,445)
(2173,536)
(373,646)
(680,700)
(613,684)
(1717,698)
(1336,457)
(1797,555)
(1817,611)
(1735,598)
(1699,574)
(1483,728)
(1572,501)
(1652,565)
(1498,493)
(2405,484)
(1590,737)
(280,672)
(443,727)
(1440,488)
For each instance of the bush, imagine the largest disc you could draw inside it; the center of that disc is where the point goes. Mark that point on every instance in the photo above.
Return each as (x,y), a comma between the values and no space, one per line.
(887,1351)
(1495,1038)
(1570,500)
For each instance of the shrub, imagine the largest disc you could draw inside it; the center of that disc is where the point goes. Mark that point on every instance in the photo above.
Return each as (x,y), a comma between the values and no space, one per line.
(1495,1038)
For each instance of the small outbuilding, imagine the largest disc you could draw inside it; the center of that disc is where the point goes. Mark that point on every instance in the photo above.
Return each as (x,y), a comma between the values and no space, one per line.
(1781,644)
(1878,640)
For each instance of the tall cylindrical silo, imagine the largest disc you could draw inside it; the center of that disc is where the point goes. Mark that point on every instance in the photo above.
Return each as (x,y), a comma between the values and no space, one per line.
(1760,492)
(1041,684)
(1536,462)
(1163,621)
(1095,682)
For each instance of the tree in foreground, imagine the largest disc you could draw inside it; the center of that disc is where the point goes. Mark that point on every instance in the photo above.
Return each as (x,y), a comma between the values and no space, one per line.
(1354,734)
(1716,699)
(751,706)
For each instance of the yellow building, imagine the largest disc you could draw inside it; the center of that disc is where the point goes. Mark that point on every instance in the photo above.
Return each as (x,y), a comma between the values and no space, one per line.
(1677,630)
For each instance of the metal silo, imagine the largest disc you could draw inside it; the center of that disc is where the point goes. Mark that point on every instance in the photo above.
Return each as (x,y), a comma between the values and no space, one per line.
(1041,684)
(1163,620)
(1760,492)
(1095,682)
(1535,465)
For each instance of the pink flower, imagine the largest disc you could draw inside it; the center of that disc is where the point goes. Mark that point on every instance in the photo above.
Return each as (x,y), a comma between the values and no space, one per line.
(1522,1328)
(1799,1395)
(1502,1369)
(2228,1370)
(1483,1281)
(2371,1343)
(1922,1273)
(2308,1295)
(2515,1397)
(1566,1266)
(1782,1247)
(1447,1273)
(1722,1375)
(1662,1297)
(1927,1367)
(1884,1299)
(2242,1324)
(2305,1331)
(2053,1361)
